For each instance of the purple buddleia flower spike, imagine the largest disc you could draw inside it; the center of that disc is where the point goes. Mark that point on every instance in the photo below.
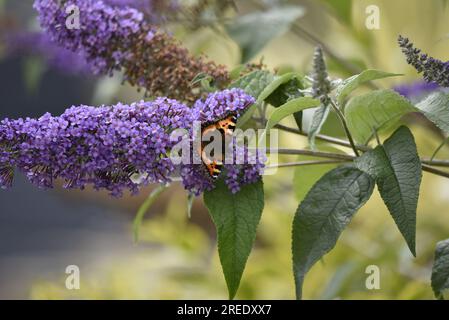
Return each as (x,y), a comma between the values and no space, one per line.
(100,27)
(433,70)
(103,147)
(120,38)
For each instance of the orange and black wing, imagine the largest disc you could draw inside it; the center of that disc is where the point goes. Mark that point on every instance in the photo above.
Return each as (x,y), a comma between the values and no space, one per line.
(227,125)
(214,168)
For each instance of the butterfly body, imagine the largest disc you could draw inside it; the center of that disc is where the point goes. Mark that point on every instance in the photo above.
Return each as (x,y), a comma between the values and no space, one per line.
(225,127)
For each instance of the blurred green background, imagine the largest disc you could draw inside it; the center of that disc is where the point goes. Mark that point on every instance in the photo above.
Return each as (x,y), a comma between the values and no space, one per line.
(176,257)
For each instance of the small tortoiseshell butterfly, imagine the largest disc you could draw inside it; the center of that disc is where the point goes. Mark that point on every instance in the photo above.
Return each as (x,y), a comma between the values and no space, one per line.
(226,128)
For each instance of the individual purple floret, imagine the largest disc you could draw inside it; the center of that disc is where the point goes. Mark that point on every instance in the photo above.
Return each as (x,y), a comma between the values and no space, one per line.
(103,147)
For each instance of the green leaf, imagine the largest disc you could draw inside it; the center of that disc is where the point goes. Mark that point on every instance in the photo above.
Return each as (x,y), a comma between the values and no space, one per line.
(283,89)
(318,119)
(440,270)
(146,205)
(305,177)
(253,31)
(352,83)
(298,119)
(277,82)
(436,108)
(253,84)
(236,217)
(376,110)
(323,215)
(397,169)
(289,108)
(285,92)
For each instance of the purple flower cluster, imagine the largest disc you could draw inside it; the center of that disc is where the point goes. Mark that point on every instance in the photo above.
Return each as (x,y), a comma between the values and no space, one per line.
(217,106)
(433,70)
(102,34)
(102,146)
(247,167)
(115,37)
(106,146)
(38,44)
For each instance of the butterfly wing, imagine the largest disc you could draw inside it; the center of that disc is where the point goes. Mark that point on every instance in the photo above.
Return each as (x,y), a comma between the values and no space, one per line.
(226,128)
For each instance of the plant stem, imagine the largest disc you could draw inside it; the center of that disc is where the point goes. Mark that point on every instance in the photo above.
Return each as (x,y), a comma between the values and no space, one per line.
(425,167)
(306,163)
(439,148)
(430,169)
(345,127)
(318,154)
(321,137)
(436,163)
(426,163)
(345,143)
